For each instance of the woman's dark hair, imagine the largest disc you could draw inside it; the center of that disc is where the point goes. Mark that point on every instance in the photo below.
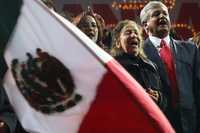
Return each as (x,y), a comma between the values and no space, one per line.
(99,21)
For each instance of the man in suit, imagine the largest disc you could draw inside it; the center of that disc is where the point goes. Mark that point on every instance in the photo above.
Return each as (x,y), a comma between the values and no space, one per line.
(179,68)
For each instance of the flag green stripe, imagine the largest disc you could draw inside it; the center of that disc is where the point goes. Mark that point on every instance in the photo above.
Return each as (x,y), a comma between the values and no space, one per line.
(9,12)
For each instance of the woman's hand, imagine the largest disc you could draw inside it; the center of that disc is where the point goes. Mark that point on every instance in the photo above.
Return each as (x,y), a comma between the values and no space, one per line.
(153,94)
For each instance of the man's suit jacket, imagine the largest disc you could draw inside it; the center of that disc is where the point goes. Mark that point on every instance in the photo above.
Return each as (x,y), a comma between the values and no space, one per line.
(187,67)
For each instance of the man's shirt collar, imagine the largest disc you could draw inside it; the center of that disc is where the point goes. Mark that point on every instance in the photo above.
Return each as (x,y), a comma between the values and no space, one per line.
(156,41)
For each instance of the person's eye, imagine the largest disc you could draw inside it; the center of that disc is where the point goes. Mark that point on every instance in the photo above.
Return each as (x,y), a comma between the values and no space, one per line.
(83,25)
(156,13)
(165,13)
(136,32)
(127,32)
(94,25)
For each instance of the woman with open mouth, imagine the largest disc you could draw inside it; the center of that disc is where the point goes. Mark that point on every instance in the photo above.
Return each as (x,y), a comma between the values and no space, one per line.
(127,49)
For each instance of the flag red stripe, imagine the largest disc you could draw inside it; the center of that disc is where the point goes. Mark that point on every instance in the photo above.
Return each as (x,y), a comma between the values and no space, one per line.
(119,108)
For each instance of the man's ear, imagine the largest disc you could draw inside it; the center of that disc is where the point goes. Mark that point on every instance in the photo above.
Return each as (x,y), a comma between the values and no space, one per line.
(145,26)
(118,44)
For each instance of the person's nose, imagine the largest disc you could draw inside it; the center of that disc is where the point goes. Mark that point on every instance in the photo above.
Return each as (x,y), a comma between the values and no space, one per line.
(90,26)
(162,15)
(133,35)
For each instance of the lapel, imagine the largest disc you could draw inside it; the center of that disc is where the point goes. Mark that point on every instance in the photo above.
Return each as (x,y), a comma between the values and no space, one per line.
(174,49)
(180,58)
(179,52)
(152,54)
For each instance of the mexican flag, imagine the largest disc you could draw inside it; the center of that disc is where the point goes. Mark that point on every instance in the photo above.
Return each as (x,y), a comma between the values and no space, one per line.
(59,81)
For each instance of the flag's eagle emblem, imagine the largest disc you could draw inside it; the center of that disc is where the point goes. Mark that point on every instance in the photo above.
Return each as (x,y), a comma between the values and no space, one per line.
(45,82)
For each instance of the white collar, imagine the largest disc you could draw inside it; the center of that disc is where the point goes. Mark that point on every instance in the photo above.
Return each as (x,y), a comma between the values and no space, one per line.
(156,41)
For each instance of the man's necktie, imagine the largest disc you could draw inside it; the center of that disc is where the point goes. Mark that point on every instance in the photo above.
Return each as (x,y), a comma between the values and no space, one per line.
(167,58)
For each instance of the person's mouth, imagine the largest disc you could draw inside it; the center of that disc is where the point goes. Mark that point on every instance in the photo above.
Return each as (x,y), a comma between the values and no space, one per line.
(133,42)
(90,34)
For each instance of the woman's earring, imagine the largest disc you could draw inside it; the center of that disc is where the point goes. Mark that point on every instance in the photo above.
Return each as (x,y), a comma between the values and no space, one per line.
(118,44)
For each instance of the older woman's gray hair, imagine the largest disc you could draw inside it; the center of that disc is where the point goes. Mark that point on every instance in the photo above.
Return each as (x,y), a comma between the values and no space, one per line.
(145,12)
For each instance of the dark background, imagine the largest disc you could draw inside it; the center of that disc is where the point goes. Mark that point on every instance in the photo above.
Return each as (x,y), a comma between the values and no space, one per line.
(184,13)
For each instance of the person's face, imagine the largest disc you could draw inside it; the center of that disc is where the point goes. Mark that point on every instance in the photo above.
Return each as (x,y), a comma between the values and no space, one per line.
(89,26)
(158,23)
(130,39)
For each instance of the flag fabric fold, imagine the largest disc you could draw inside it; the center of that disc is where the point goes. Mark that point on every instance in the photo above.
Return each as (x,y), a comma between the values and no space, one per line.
(59,81)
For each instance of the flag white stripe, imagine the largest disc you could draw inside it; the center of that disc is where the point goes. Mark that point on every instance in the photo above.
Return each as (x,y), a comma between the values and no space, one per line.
(37,28)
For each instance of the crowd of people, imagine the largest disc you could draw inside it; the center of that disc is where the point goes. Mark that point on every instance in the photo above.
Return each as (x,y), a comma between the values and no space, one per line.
(168,69)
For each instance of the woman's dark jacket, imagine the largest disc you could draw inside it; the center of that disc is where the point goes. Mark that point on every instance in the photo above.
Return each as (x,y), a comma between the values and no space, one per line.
(145,72)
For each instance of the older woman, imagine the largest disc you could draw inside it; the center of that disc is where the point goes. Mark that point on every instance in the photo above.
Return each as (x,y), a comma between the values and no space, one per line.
(92,25)
(127,48)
